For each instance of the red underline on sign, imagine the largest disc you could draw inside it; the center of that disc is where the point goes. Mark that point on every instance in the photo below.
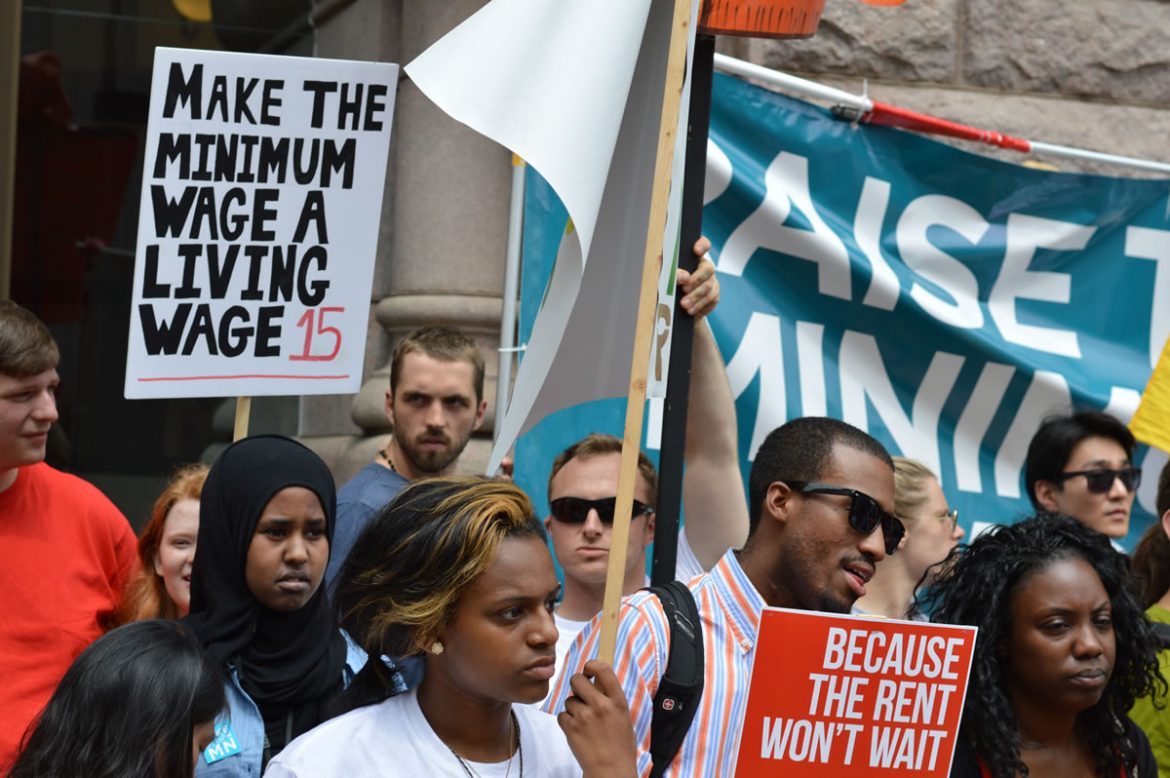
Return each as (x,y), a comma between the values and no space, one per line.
(277,376)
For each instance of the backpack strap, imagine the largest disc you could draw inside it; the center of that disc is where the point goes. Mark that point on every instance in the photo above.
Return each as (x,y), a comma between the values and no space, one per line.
(1162,633)
(681,688)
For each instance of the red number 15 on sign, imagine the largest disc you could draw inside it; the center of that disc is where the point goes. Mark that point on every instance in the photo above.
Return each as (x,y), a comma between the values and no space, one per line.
(307,322)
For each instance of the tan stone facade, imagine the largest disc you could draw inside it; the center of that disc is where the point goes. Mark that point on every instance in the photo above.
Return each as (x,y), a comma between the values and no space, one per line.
(444,230)
(1094,75)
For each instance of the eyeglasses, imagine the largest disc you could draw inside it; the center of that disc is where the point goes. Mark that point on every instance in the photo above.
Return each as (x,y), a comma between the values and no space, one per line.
(1100,480)
(574,510)
(951,517)
(864,512)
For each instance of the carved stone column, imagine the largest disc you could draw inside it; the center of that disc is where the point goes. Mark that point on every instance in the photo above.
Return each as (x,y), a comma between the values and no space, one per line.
(443,233)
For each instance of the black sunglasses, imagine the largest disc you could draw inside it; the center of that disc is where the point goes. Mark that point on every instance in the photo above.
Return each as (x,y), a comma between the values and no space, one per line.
(864,512)
(1100,480)
(574,510)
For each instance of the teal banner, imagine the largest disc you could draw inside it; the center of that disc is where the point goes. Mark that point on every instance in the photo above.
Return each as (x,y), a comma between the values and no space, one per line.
(943,301)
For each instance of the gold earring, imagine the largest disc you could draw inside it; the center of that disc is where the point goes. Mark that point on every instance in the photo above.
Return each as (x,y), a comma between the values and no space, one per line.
(436,648)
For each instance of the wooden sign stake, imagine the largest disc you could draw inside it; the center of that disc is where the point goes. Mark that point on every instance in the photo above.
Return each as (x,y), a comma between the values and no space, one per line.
(643,334)
(243,413)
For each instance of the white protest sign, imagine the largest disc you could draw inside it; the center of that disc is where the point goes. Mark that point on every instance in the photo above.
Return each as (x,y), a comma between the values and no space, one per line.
(261,200)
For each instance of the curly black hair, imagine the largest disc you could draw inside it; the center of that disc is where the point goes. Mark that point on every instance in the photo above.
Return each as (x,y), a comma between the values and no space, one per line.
(974,586)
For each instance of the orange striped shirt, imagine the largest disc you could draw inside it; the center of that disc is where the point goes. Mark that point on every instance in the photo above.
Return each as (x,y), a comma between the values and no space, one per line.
(729,612)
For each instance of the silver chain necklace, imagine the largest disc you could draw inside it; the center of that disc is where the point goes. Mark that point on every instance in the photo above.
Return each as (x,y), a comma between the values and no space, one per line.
(518,752)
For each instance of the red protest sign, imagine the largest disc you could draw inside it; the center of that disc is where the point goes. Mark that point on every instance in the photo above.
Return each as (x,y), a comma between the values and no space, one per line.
(875,696)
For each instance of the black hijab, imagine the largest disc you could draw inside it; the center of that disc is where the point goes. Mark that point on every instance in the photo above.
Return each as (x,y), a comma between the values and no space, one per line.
(289,663)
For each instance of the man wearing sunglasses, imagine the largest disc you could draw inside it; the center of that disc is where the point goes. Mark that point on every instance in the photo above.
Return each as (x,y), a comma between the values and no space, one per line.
(582,486)
(821,499)
(1081,465)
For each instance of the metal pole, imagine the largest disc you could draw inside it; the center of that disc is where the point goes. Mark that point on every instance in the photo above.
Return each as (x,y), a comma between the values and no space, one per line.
(861,105)
(511,283)
(674,414)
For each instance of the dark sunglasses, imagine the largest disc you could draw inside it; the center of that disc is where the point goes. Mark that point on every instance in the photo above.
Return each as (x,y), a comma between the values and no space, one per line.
(864,512)
(574,510)
(1100,480)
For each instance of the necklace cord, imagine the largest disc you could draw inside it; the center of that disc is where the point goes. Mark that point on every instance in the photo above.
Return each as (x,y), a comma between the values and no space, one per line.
(513,738)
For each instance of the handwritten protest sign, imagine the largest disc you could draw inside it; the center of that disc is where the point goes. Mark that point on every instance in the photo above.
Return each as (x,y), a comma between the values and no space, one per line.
(261,200)
(844,695)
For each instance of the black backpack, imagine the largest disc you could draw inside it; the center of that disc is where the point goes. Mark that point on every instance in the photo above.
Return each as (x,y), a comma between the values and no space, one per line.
(681,687)
(1162,633)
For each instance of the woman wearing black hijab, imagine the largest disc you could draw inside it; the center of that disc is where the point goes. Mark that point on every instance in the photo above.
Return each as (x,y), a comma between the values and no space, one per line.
(265,524)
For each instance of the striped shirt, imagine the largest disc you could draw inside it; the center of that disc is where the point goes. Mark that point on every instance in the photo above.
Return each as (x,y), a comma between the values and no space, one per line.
(729,609)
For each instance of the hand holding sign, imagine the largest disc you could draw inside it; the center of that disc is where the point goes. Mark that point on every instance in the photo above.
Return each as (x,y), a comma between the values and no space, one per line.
(596,722)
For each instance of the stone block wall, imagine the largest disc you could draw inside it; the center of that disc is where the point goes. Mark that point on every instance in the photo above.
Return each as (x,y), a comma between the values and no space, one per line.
(1089,74)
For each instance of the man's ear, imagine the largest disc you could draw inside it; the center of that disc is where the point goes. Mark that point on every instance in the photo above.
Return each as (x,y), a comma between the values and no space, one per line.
(1046,492)
(648,534)
(1166,523)
(777,502)
(390,405)
(479,415)
(548,524)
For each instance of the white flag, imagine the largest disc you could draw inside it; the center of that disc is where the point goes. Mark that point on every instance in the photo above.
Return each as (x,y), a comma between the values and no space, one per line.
(575,88)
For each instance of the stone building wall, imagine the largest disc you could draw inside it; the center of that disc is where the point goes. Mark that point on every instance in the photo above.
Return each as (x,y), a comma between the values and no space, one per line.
(443,234)
(1089,74)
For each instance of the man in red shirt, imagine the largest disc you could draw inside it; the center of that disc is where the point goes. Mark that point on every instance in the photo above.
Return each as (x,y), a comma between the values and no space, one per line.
(65,551)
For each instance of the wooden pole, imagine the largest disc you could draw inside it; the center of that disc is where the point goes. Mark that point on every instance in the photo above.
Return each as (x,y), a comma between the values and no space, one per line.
(9,90)
(243,414)
(644,332)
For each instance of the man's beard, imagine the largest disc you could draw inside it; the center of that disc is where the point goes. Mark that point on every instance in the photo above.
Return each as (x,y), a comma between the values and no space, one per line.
(431,461)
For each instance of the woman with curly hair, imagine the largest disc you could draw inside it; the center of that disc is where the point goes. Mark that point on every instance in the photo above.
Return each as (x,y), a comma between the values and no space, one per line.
(166,549)
(1063,651)
(456,573)
(1151,565)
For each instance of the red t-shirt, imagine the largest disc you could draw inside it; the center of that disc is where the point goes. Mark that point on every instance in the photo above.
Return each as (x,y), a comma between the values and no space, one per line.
(65,555)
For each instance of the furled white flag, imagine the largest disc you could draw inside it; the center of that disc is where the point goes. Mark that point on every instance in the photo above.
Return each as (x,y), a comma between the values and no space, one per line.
(575,88)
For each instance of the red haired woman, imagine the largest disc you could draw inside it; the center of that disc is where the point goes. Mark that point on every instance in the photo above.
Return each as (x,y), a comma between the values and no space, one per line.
(166,549)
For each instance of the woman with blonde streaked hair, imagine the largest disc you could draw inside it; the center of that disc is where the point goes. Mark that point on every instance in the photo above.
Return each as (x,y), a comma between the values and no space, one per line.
(932,530)
(166,551)
(456,573)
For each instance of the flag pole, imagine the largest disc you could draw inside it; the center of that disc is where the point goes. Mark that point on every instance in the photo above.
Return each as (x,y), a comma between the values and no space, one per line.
(644,331)
(674,413)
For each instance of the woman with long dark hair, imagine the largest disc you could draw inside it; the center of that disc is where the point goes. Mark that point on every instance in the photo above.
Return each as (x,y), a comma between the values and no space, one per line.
(257,605)
(166,550)
(457,571)
(1151,565)
(139,702)
(1063,650)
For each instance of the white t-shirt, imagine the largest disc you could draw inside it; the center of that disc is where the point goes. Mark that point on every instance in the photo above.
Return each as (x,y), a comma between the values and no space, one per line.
(686,567)
(393,740)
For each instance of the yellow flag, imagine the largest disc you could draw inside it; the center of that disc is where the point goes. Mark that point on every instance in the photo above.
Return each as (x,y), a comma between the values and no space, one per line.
(1151,422)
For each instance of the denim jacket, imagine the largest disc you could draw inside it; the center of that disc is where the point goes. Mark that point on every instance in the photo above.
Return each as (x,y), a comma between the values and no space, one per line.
(238,748)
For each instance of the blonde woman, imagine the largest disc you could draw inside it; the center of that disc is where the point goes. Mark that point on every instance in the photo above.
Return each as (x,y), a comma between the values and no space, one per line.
(932,530)
(457,572)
